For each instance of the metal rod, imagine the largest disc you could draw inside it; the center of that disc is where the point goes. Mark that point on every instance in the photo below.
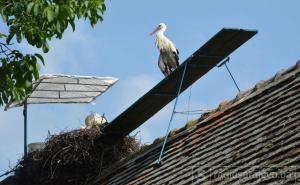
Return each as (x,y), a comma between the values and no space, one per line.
(189,104)
(225,63)
(232,78)
(25,128)
(172,116)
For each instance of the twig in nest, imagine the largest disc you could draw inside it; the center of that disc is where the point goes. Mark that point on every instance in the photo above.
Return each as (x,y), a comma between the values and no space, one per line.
(54,156)
(8,172)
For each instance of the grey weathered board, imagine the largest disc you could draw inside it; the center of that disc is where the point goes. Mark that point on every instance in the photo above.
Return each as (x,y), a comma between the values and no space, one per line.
(203,60)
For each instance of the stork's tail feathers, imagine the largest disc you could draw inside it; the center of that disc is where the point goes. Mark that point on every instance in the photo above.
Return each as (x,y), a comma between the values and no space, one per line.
(176,58)
(165,72)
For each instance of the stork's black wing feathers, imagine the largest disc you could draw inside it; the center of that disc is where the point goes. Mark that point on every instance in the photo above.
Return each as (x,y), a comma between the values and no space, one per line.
(176,57)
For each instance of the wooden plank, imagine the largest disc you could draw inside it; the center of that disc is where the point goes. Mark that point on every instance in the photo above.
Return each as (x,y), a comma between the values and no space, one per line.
(204,59)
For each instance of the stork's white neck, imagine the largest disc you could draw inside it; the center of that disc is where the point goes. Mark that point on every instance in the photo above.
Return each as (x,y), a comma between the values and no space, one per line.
(161,41)
(161,32)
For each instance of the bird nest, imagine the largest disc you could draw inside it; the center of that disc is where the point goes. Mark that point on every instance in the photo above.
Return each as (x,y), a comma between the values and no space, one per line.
(77,157)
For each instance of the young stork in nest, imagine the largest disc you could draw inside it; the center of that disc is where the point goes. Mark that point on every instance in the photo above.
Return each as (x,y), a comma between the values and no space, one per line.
(168,59)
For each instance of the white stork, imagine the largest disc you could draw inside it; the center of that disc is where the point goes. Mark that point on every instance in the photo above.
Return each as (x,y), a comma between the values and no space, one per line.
(168,59)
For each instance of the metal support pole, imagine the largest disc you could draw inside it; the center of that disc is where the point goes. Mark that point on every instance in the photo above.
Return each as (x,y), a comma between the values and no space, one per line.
(171,119)
(232,78)
(25,128)
(225,63)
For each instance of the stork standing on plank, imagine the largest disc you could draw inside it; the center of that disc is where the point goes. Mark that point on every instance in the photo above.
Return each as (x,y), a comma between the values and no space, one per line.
(168,59)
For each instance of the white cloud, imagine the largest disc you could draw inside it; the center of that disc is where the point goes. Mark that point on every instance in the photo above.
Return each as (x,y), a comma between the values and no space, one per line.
(67,54)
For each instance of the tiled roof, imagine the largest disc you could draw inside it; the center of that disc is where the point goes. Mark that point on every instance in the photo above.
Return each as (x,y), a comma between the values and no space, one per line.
(253,139)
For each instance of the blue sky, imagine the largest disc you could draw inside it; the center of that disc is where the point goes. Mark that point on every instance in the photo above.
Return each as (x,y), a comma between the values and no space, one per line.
(121,47)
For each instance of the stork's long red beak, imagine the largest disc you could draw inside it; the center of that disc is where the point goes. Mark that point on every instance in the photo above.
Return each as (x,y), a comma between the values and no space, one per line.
(155,30)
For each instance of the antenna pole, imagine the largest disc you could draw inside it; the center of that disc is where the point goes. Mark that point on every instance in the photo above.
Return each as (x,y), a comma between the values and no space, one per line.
(25,128)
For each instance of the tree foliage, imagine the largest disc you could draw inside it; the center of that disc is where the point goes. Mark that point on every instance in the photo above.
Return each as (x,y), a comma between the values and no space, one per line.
(37,21)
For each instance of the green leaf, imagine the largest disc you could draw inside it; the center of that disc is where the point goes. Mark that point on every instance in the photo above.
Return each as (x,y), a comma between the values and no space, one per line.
(36,9)
(45,47)
(58,28)
(89,13)
(103,8)
(86,3)
(31,68)
(38,42)
(50,14)
(36,74)
(35,69)
(9,37)
(29,7)
(67,10)
(19,37)
(56,10)
(28,84)
(4,17)
(12,32)
(40,57)
(72,24)
(2,35)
